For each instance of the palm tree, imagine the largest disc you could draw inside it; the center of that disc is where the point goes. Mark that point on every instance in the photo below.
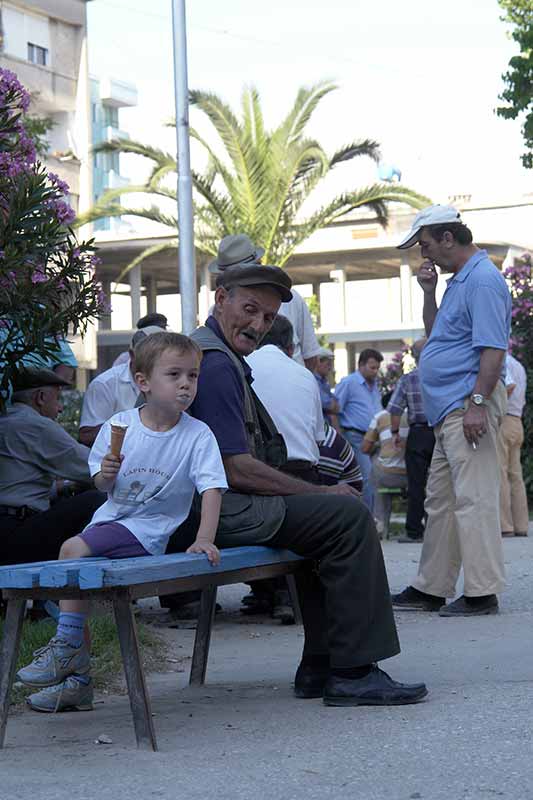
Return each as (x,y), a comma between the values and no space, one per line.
(260,185)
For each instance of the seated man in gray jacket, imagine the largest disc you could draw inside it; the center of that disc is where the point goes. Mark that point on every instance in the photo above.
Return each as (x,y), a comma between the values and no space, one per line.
(34,451)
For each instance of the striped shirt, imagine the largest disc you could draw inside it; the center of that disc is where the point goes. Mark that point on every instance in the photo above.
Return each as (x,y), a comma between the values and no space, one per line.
(408,395)
(337,462)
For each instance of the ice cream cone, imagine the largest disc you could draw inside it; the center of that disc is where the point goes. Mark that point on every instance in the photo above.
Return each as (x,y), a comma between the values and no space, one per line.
(118,433)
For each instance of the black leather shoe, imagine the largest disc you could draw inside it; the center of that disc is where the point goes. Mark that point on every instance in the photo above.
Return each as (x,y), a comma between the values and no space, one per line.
(480,607)
(376,689)
(412,599)
(310,681)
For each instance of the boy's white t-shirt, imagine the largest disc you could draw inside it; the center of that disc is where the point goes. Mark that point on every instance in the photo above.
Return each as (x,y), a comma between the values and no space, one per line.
(154,489)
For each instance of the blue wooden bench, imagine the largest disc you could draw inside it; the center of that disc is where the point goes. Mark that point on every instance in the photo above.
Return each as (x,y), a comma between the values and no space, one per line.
(122,581)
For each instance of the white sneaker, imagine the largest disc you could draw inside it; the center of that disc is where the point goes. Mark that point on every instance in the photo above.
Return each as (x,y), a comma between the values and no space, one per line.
(70,695)
(54,662)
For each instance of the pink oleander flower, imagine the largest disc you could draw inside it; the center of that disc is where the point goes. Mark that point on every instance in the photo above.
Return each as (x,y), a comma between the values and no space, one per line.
(61,185)
(39,276)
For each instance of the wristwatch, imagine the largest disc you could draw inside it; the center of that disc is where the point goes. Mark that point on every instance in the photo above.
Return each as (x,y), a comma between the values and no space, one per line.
(478,399)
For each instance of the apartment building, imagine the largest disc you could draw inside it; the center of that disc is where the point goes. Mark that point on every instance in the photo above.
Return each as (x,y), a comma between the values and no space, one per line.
(108,97)
(45,43)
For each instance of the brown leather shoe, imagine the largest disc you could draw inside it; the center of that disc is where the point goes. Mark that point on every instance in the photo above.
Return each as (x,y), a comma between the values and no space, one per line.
(508,534)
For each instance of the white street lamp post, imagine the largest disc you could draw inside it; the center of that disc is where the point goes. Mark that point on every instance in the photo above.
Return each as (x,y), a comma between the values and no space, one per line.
(187,268)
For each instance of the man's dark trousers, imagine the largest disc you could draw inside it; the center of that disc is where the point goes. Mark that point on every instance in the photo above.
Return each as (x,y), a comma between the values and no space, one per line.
(418,454)
(39,537)
(346,606)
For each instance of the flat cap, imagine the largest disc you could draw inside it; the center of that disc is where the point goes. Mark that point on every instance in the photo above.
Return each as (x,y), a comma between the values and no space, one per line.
(255,274)
(36,378)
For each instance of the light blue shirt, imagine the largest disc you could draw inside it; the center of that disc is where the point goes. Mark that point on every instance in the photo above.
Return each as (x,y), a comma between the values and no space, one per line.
(475,313)
(359,401)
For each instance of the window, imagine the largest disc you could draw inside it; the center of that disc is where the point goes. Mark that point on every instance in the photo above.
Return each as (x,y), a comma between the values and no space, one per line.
(37,54)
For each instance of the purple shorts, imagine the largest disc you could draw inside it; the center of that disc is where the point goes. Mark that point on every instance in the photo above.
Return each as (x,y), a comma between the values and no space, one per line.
(113,540)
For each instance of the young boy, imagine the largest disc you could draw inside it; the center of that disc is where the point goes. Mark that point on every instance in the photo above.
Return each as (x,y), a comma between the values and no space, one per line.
(166,456)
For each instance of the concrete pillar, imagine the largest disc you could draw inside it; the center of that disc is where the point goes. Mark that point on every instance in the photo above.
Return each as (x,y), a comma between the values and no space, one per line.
(135,294)
(339,276)
(104,322)
(151,294)
(204,303)
(406,275)
(341,361)
(316,292)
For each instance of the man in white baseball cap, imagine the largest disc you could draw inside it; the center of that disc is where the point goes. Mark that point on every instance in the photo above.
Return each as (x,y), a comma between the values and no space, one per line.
(461,372)
(432,215)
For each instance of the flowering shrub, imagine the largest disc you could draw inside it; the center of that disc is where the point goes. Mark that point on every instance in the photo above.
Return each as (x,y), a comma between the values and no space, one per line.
(47,283)
(401,363)
(520,280)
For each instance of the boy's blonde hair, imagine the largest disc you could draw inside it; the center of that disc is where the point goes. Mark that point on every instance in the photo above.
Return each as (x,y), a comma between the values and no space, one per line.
(152,348)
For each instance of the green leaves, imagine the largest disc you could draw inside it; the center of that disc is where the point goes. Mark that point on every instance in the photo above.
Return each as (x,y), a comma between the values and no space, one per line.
(257,179)
(47,282)
(518,80)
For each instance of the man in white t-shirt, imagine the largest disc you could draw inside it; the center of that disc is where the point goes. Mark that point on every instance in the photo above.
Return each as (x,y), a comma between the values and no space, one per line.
(513,498)
(291,396)
(110,392)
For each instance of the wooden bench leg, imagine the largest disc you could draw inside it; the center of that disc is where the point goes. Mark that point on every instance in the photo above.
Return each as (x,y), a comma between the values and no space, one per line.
(295,600)
(208,601)
(8,657)
(137,691)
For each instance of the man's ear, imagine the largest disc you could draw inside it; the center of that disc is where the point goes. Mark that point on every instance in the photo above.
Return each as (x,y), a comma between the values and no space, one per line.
(142,382)
(39,398)
(221,295)
(290,350)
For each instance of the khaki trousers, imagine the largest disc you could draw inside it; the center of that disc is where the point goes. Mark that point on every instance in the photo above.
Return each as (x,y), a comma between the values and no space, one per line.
(462,504)
(513,498)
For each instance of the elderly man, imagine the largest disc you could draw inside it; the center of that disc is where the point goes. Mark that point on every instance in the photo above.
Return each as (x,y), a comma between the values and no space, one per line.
(360,400)
(34,451)
(239,249)
(419,446)
(111,391)
(267,506)
(461,375)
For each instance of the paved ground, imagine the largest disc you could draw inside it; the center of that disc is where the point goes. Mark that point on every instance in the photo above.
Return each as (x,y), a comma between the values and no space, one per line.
(245,736)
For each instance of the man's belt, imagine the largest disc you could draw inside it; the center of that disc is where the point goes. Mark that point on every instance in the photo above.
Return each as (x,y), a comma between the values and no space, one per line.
(20,512)
(357,430)
(419,425)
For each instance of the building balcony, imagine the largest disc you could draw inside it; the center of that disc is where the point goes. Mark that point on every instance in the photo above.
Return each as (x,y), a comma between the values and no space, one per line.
(116,181)
(117,94)
(110,132)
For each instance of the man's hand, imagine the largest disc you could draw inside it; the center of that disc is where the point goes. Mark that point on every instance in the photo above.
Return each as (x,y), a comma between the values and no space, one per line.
(110,467)
(475,423)
(397,441)
(341,488)
(427,277)
(203,546)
